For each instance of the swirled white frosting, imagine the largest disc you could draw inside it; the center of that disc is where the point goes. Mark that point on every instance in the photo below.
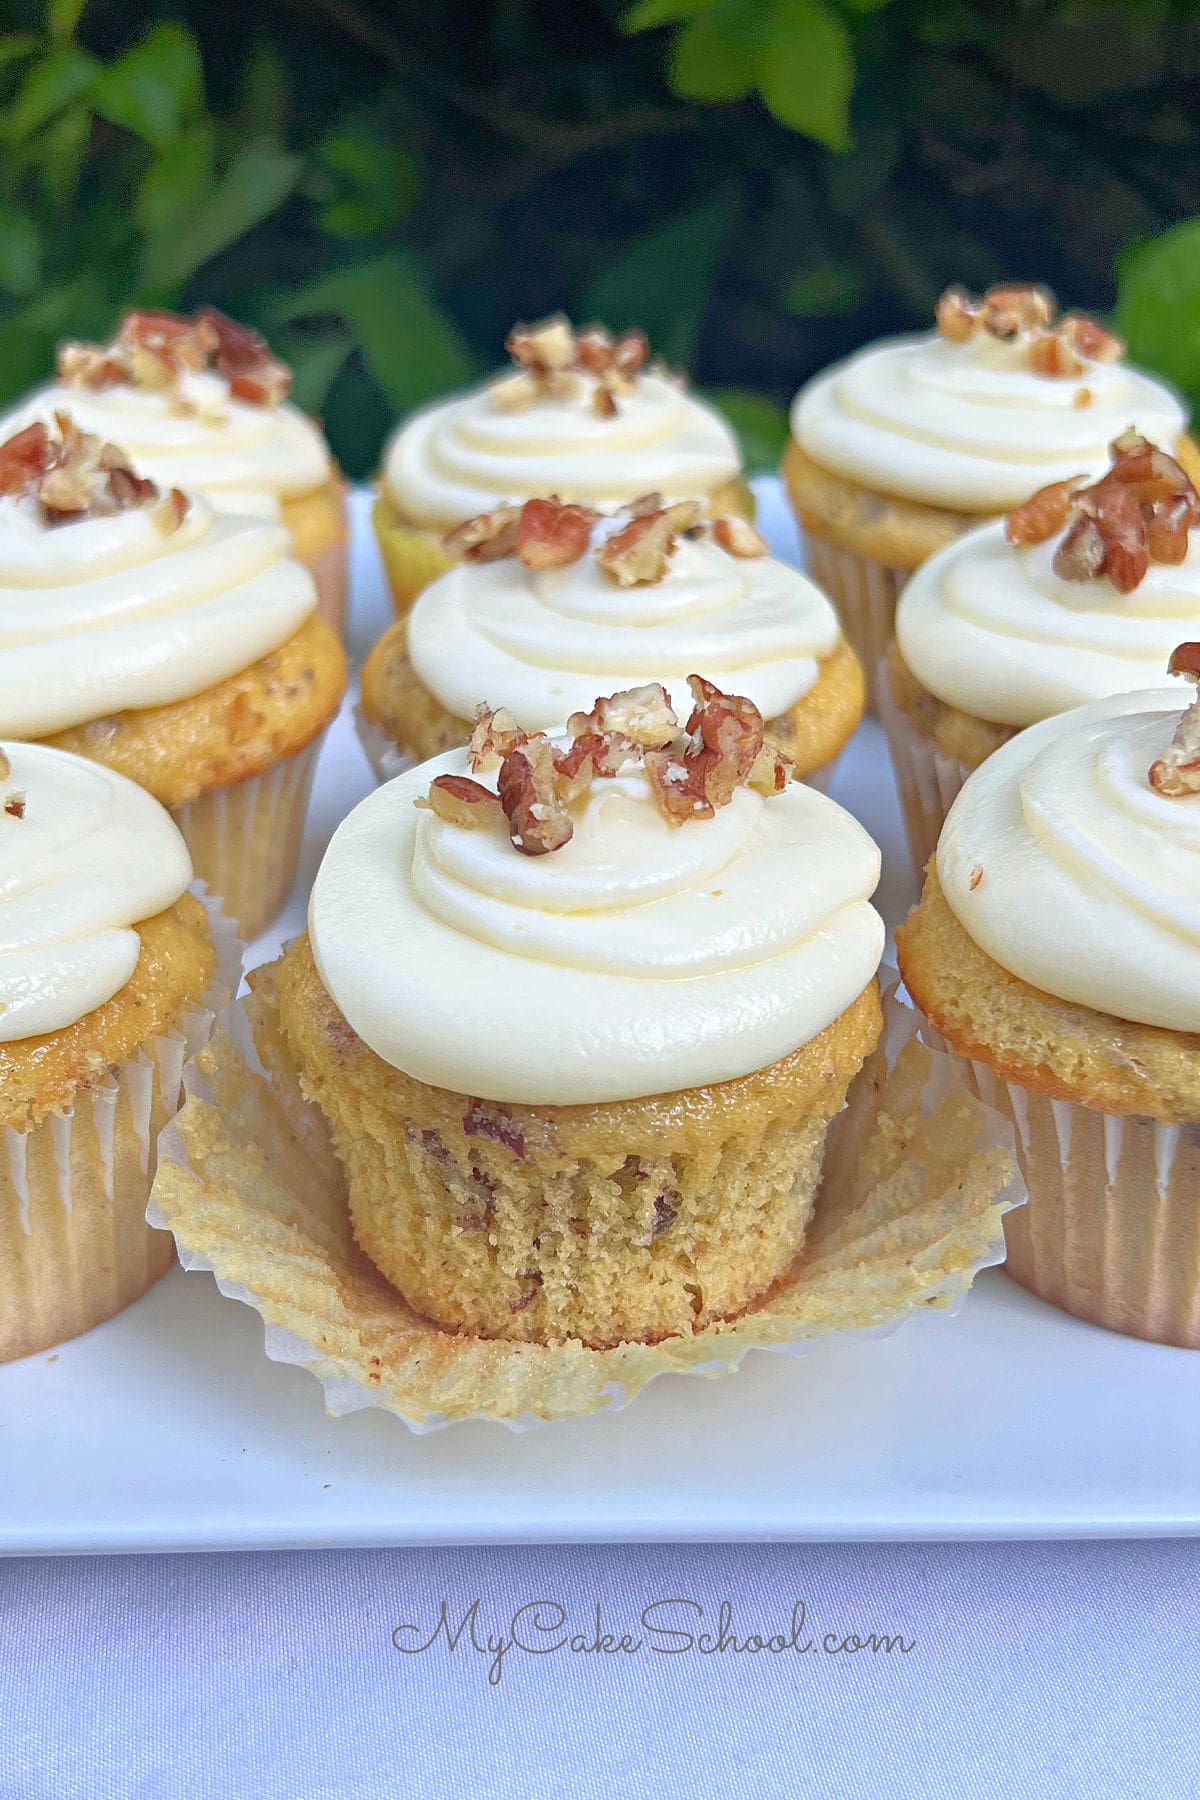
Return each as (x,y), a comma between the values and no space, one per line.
(465,456)
(1086,881)
(107,614)
(995,632)
(550,641)
(641,958)
(92,857)
(971,426)
(245,459)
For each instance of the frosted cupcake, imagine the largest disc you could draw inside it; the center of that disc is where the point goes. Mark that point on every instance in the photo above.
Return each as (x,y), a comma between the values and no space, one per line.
(910,442)
(556,604)
(106,966)
(201,404)
(582,415)
(1083,591)
(579,1013)
(175,644)
(1056,948)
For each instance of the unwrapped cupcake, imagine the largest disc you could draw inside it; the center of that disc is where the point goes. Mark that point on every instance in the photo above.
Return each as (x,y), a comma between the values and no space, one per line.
(201,404)
(582,414)
(175,644)
(1084,591)
(908,443)
(579,1013)
(1056,949)
(108,980)
(553,603)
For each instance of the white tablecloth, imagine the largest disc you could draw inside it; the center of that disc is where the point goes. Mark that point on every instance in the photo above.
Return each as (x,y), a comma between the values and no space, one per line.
(1048,1670)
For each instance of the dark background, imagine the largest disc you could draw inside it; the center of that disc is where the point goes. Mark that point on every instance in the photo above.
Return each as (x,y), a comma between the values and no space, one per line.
(762,184)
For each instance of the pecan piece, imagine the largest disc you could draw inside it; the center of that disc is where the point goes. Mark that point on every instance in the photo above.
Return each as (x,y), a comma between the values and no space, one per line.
(641,551)
(956,315)
(770,771)
(1122,531)
(1176,773)
(245,359)
(1091,339)
(640,715)
(495,733)
(1053,354)
(1012,308)
(551,533)
(544,347)
(594,349)
(604,402)
(1042,515)
(630,352)
(738,536)
(24,459)
(538,821)
(89,366)
(1080,556)
(514,393)
(677,786)
(487,537)
(463,802)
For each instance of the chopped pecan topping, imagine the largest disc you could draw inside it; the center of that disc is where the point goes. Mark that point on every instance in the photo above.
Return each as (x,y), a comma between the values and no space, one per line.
(770,771)
(640,715)
(552,358)
(73,474)
(1139,512)
(496,732)
(604,403)
(14,806)
(155,349)
(644,504)
(1059,349)
(738,536)
(1176,773)
(487,537)
(551,533)
(460,801)
(641,551)
(538,820)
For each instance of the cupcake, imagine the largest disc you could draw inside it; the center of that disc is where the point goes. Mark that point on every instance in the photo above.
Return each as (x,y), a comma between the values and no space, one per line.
(1056,950)
(582,415)
(201,404)
(579,1012)
(178,645)
(551,603)
(106,970)
(1082,592)
(907,444)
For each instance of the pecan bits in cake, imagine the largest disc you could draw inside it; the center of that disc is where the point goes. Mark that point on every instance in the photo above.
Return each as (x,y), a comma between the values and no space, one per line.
(156,349)
(1059,348)
(73,474)
(1177,771)
(691,771)
(552,358)
(1140,512)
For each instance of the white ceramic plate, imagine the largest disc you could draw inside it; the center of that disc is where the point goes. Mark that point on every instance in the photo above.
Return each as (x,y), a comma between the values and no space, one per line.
(167,1428)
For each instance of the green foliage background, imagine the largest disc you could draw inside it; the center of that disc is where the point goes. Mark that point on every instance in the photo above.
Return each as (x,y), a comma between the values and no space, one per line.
(763,184)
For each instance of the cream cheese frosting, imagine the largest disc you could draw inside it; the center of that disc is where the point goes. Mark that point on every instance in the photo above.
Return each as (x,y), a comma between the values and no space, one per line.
(994,631)
(245,459)
(91,857)
(550,640)
(641,958)
(106,614)
(466,455)
(970,426)
(1067,868)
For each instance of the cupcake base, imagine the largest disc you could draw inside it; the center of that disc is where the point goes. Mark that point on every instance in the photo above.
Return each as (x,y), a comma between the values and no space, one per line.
(320,530)
(865,595)
(927,781)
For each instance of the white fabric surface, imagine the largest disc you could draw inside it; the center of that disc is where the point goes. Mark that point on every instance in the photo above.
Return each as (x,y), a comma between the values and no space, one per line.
(1056,1670)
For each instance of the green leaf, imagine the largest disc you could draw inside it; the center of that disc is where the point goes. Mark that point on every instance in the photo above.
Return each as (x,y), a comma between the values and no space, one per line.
(662,282)
(62,17)
(315,359)
(1158,305)
(17,45)
(647,15)
(60,151)
(709,64)
(806,71)
(258,180)
(373,184)
(177,180)
(409,344)
(828,287)
(50,87)
(20,250)
(760,422)
(156,86)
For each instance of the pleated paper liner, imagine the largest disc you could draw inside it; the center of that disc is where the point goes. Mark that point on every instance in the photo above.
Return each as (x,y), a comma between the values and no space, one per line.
(388,761)
(75,1247)
(865,594)
(917,1178)
(927,781)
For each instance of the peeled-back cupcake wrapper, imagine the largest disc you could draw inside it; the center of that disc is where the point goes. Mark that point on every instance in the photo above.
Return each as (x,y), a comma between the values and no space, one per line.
(1111,1231)
(75,1250)
(917,1176)
(927,781)
(245,840)
(865,594)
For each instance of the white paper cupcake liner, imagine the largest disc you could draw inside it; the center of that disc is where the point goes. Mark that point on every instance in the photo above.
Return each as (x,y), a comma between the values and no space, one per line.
(865,594)
(245,839)
(917,1175)
(927,782)
(75,1247)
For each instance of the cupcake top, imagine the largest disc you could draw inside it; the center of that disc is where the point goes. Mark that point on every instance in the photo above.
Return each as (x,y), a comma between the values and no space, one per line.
(1072,857)
(582,417)
(199,404)
(557,603)
(85,856)
(115,595)
(1000,400)
(1083,591)
(630,910)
